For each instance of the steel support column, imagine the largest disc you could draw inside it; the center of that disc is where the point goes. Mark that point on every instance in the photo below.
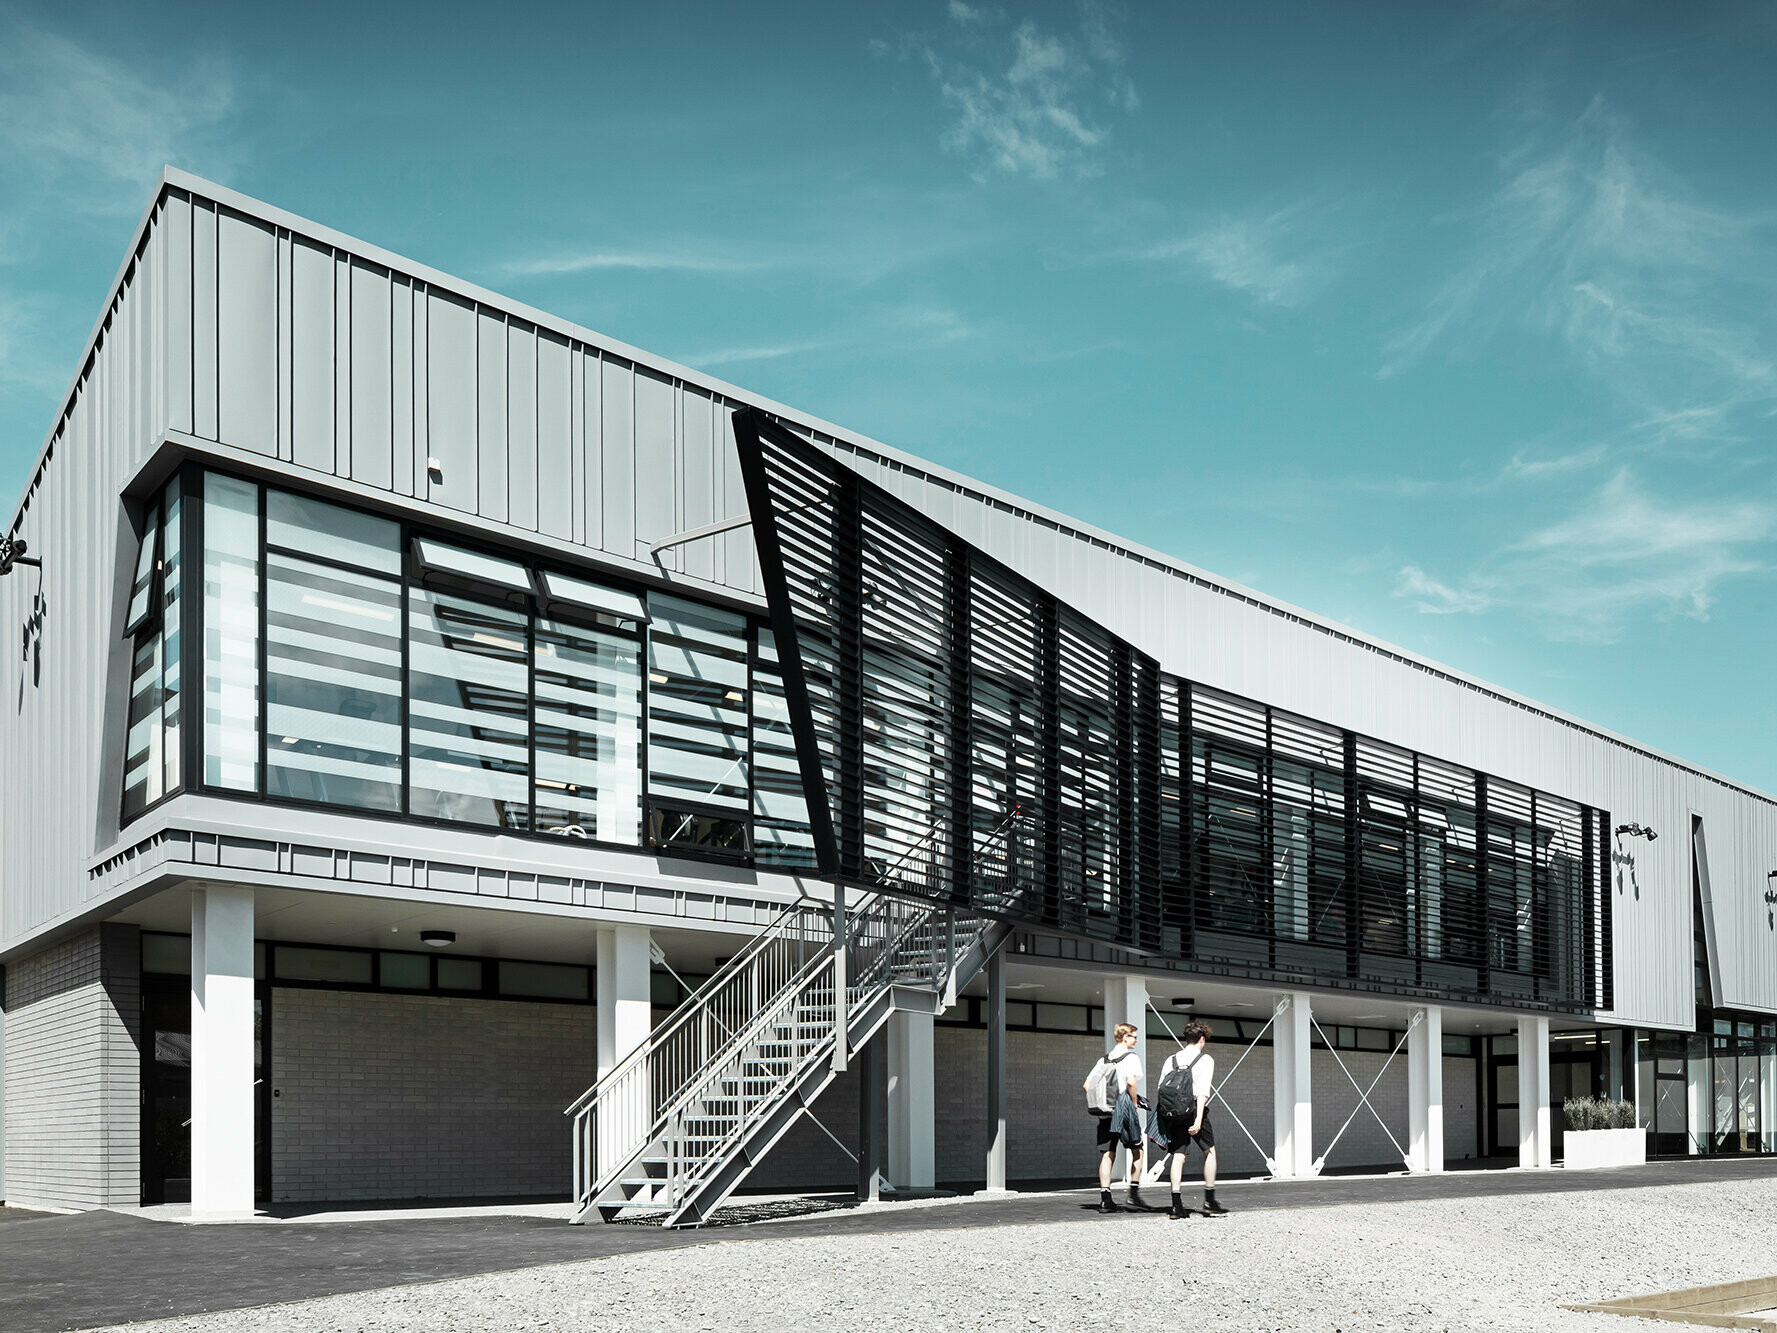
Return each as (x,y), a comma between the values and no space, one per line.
(222,1037)
(624,1016)
(1536,1146)
(1293,1087)
(1425,1092)
(996,1073)
(1126,1001)
(912,1101)
(872,1118)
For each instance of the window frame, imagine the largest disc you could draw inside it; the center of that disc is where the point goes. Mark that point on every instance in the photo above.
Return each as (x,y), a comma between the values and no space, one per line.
(536,605)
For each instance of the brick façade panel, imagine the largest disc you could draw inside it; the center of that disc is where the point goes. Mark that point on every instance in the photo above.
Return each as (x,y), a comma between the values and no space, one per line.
(418,1096)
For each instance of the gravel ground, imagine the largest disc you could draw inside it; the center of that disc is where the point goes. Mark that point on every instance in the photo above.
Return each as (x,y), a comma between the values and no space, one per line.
(1499,1262)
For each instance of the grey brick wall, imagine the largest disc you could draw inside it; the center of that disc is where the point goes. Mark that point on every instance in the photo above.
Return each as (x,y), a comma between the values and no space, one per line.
(419,1096)
(1050,1136)
(73,1072)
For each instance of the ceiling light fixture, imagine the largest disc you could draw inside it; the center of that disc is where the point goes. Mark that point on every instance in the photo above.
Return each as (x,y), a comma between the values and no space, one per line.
(1182,1002)
(438,939)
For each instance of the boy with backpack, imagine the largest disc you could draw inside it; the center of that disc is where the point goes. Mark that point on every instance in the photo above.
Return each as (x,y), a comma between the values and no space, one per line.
(1113,1096)
(1181,1106)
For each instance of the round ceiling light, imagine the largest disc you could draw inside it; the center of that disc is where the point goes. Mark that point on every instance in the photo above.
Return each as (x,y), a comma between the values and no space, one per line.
(438,939)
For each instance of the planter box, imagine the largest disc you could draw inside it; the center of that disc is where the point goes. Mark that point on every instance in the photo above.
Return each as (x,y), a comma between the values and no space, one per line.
(1589,1148)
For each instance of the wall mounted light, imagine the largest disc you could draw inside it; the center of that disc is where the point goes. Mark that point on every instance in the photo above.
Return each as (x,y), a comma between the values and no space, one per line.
(438,939)
(12,552)
(1636,831)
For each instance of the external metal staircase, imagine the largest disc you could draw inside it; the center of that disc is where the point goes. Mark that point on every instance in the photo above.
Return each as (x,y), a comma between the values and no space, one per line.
(676,1127)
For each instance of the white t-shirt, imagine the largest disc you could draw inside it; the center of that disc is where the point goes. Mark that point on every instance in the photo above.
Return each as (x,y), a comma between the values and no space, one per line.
(1203,1073)
(1127,1063)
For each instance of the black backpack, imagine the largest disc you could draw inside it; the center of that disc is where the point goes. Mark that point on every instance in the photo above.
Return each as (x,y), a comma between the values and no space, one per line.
(1174,1100)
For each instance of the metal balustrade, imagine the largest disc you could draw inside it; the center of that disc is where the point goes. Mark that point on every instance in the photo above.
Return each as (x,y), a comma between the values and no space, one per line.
(678,1123)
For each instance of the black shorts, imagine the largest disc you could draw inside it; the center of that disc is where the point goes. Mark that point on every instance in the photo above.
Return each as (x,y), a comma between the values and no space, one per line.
(1205,1138)
(1102,1136)
(1177,1138)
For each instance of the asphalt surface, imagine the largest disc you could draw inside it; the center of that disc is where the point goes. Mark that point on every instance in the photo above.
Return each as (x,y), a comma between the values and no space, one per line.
(87,1270)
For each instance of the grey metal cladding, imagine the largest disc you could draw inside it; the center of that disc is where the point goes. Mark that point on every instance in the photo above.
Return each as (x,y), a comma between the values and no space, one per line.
(275,348)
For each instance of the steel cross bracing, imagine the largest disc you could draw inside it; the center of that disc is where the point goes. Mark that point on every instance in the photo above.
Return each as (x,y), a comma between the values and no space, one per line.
(1363,1093)
(1215,1091)
(685,1117)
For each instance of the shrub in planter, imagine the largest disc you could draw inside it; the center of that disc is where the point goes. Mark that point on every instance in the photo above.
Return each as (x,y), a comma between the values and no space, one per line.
(1602,1132)
(1588,1113)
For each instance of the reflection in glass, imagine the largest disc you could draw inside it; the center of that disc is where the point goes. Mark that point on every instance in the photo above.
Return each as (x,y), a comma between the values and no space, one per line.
(333,684)
(231,633)
(152,752)
(301,523)
(697,715)
(588,730)
(467,730)
(781,835)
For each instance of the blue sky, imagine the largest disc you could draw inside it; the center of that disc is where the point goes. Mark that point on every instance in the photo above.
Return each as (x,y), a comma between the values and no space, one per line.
(1454,323)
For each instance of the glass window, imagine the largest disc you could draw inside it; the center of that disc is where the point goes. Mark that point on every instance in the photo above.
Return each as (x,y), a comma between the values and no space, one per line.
(588,733)
(459,974)
(470,566)
(142,585)
(231,633)
(166,953)
(1066,1017)
(301,523)
(468,715)
(332,684)
(1020,1014)
(152,752)
(341,965)
(548,981)
(698,721)
(781,836)
(404,971)
(624,606)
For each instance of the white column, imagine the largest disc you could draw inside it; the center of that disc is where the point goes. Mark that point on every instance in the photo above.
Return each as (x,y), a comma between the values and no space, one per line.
(1699,1097)
(1126,1001)
(625,1014)
(1425,1092)
(1292,1081)
(625,1001)
(1536,1147)
(222,1051)
(912,1102)
(996,1073)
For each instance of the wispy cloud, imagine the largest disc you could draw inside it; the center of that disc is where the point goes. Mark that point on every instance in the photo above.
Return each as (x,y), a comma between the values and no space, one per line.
(727,356)
(98,129)
(1261,256)
(1591,241)
(686,259)
(1028,100)
(1623,555)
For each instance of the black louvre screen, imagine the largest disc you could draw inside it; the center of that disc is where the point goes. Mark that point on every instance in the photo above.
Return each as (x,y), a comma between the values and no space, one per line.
(966,738)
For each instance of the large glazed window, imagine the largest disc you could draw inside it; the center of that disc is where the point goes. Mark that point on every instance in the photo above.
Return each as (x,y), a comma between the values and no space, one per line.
(588,685)
(468,711)
(152,754)
(350,661)
(698,779)
(231,633)
(333,655)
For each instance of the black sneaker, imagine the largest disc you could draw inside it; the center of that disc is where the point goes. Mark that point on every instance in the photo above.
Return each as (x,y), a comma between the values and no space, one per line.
(1178,1211)
(1135,1199)
(1214,1210)
(1107,1205)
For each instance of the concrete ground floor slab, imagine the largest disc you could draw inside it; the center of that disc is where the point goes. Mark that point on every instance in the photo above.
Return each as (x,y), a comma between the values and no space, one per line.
(87,1270)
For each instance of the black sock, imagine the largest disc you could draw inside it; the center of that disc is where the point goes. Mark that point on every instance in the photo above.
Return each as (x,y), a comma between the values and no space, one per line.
(1106,1193)
(1209,1195)
(1178,1199)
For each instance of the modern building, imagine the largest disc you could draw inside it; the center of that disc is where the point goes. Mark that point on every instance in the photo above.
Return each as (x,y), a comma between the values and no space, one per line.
(419,696)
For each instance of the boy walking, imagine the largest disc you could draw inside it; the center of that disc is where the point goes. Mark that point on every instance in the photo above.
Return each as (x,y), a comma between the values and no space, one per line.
(1196,1061)
(1117,1117)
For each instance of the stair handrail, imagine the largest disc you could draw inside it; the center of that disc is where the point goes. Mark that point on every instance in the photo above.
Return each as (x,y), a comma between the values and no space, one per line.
(797,912)
(818,1050)
(718,1059)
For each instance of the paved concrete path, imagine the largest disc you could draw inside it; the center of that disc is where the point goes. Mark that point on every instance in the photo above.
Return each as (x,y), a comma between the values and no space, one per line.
(88,1270)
